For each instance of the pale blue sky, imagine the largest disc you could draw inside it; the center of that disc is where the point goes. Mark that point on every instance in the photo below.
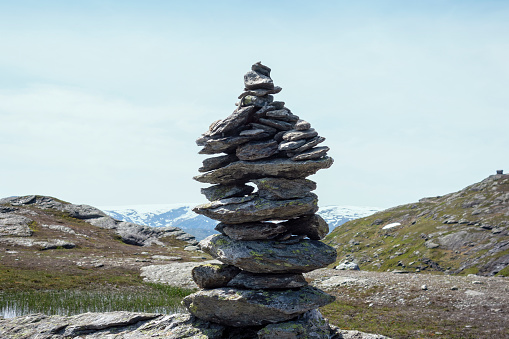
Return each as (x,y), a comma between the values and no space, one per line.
(101,101)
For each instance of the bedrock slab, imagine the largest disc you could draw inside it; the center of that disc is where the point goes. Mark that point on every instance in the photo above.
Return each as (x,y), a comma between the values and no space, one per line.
(267,256)
(231,211)
(238,307)
(278,168)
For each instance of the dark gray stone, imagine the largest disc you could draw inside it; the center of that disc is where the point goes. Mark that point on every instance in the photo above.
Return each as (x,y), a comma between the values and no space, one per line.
(313,226)
(238,118)
(260,92)
(297,135)
(223,145)
(255,281)
(282,114)
(310,325)
(239,308)
(251,100)
(278,124)
(282,189)
(314,153)
(302,125)
(255,80)
(213,275)
(278,104)
(256,150)
(217,162)
(279,136)
(255,134)
(267,256)
(254,208)
(218,192)
(309,144)
(252,230)
(261,68)
(291,145)
(270,130)
(278,168)
(260,113)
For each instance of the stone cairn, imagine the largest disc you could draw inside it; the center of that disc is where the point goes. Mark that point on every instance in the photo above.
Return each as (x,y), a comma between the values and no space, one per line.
(270,236)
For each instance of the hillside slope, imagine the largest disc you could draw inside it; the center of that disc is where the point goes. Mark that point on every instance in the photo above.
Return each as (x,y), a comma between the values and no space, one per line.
(48,243)
(462,232)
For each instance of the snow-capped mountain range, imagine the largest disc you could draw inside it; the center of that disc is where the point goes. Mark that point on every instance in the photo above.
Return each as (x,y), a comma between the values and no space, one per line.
(182,216)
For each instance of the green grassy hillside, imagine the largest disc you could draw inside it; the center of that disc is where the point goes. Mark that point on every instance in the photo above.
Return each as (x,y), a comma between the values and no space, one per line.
(462,232)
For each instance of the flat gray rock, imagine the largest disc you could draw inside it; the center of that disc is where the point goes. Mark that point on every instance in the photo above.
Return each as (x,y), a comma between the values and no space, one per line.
(220,191)
(297,135)
(12,225)
(256,101)
(266,256)
(239,307)
(314,153)
(223,145)
(282,189)
(314,226)
(238,118)
(261,68)
(252,230)
(257,150)
(253,208)
(278,124)
(302,125)
(269,130)
(213,275)
(279,168)
(256,281)
(291,145)
(255,80)
(309,325)
(309,144)
(260,92)
(282,114)
(174,274)
(255,134)
(217,162)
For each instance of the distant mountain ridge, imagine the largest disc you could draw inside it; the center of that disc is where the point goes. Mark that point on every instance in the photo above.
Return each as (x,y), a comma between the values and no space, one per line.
(182,216)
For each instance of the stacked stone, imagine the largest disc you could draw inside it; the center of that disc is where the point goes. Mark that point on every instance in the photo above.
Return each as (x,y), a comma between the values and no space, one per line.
(270,236)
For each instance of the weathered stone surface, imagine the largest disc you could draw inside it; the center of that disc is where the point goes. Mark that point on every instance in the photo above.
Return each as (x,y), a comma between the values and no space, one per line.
(313,226)
(14,225)
(174,274)
(266,256)
(261,68)
(119,325)
(255,80)
(291,145)
(282,114)
(348,266)
(297,135)
(252,231)
(260,113)
(238,118)
(255,134)
(251,100)
(281,188)
(218,192)
(256,150)
(40,245)
(279,136)
(309,144)
(256,281)
(242,210)
(278,104)
(310,325)
(281,125)
(238,307)
(302,125)
(280,168)
(213,163)
(260,92)
(314,153)
(213,275)
(223,145)
(270,130)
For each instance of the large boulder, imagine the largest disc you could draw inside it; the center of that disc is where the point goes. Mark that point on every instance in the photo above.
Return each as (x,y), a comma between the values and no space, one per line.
(266,256)
(239,307)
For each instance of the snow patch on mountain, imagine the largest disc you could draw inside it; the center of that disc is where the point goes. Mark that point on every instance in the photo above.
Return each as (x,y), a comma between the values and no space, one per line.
(182,216)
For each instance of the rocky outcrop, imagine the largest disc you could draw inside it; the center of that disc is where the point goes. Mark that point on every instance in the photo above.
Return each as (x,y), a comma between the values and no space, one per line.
(129,325)
(461,232)
(14,225)
(263,243)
